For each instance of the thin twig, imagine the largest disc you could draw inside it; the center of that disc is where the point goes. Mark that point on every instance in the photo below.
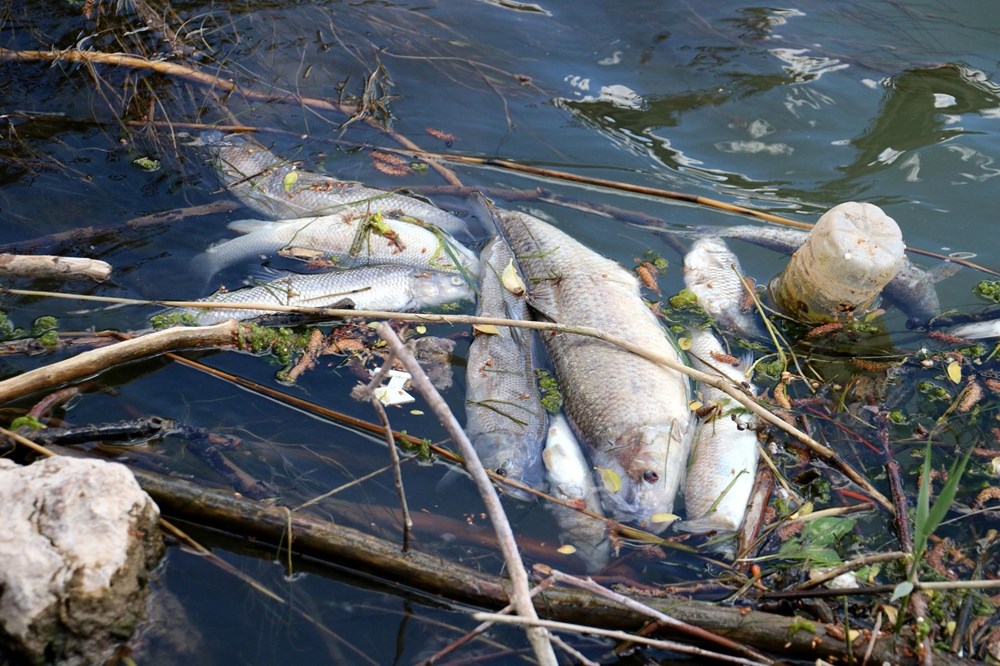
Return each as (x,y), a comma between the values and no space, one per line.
(856,563)
(506,610)
(397,473)
(520,590)
(617,635)
(661,617)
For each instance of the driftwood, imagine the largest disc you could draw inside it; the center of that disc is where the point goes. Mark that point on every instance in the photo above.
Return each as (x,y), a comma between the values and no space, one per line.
(47,266)
(89,363)
(346,547)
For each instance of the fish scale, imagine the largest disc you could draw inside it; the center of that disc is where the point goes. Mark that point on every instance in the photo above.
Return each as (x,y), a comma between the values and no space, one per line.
(345,240)
(631,413)
(279,189)
(505,420)
(393,288)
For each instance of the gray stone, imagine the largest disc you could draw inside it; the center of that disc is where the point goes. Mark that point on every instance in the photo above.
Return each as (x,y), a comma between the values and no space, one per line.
(79,539)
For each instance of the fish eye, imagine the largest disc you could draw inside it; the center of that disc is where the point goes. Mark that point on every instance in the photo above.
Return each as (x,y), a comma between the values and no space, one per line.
(649,476)
(500,471)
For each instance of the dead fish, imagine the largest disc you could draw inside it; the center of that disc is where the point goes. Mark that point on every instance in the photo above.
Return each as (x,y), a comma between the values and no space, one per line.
(712,272)
(505,420)
(911,290)
(724,453)
(393,288)
(631,413)
(278,189)
(571,479)
(345,240)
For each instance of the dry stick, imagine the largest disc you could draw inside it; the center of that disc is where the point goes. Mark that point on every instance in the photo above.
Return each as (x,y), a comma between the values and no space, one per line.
(617,635)
(170,68)
(661,617)
(94,361)
(658,193)
(520,590)
(720,382)
(47,266)
(397,473)
(506,610)
(856,563)
(167,526)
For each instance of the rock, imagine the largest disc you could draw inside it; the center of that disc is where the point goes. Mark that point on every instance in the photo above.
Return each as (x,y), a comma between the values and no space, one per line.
(79,540)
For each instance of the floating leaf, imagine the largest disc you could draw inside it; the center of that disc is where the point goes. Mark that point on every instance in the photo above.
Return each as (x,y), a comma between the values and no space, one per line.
(804,510)
(511,280)
(684,344)
(487,329)
(660,518)
(994,465)
(695,405)
(417,412)
(291,178)
(612,481)
(852,635)
(902,590)
(955,372)
(147,163)
(421,329)
(566,550)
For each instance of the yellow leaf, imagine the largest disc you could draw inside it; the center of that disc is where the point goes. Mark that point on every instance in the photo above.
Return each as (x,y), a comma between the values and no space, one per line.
(421,329)
(511,279)
(852,635)
(955,372)
(417,412)
(804,510)
(684,344)
(612,482)
(488,329)
(695,405)
(566,550)
(658,518)
(291,178)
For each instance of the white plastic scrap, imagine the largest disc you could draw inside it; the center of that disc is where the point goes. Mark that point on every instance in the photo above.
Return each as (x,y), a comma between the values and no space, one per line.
(393,393)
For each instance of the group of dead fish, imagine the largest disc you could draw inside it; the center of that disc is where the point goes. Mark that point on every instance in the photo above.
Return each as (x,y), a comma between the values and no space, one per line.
(633,416)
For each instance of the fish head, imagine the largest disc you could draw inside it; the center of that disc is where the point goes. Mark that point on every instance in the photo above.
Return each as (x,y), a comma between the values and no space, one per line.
(506,454)
(435,288)
(641,480)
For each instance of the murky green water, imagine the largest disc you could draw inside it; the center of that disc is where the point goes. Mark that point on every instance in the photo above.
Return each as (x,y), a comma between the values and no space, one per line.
(789,109)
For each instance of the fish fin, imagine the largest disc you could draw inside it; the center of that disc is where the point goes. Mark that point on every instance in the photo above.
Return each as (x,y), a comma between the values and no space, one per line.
(710,522)
(249,226)
(943,271)
(449,479)
(205,266)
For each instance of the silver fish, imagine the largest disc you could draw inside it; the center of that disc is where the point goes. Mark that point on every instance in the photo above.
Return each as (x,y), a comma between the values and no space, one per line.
(977,330)
(277,188)
(345,239)
(724,454)
(911,290)
(631,413)
(571,479)
(505,420)
(393,288)
(712,272)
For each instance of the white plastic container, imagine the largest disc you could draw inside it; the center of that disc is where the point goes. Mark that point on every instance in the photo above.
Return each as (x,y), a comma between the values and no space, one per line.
(849,256)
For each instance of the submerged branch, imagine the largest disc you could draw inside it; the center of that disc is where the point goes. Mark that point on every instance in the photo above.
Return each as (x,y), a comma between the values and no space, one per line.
(433,575)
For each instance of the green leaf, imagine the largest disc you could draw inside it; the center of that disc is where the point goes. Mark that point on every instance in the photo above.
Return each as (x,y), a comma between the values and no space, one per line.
(902,590)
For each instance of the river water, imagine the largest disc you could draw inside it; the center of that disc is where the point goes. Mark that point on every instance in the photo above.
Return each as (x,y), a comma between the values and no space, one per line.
(790,110)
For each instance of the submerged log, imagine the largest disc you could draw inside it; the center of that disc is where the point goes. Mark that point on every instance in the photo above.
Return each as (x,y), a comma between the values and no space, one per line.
(347,547)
